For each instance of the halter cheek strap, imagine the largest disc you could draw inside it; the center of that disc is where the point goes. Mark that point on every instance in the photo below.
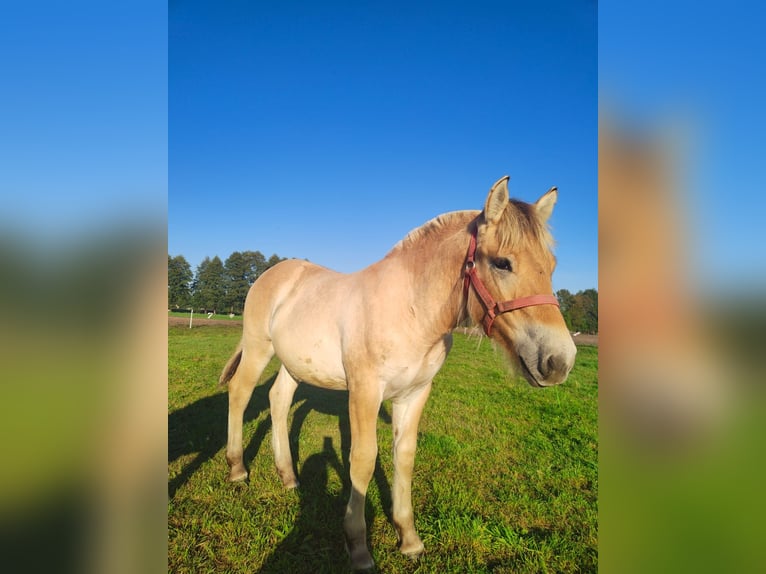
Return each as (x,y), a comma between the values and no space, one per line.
(491,308)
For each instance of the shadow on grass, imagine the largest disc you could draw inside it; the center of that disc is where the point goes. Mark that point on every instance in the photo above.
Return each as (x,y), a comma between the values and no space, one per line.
(201,428)
(315,544)
(335,403)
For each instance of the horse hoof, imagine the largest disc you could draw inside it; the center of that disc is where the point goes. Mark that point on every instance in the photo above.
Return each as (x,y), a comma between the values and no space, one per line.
(364,567)
(237,475)
(288,479)
(412,548)
(360,559)
(413,556)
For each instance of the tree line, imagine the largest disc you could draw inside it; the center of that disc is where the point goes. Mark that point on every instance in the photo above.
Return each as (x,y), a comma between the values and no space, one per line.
(580,310)
(217,286)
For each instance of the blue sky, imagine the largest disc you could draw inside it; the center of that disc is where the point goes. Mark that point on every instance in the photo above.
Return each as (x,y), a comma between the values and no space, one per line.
(83,117)
(695,71)
(327,130)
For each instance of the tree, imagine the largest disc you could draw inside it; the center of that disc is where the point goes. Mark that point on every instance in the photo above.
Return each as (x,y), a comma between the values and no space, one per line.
(242,269)
(217,286)
(580,311)
(273,260)
(179,281)
(240,273)
(590,305)
(210,285)
(256,263)
(565,301)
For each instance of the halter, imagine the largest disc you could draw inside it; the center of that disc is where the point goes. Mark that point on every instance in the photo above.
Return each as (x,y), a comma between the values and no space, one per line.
(491,308)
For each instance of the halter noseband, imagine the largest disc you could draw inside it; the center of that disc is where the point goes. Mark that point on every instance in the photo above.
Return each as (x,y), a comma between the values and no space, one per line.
(491,308)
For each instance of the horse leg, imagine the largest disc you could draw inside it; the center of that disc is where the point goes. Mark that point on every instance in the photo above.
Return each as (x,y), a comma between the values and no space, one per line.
(405,420)
(281,398)
(241,386)
(363,407)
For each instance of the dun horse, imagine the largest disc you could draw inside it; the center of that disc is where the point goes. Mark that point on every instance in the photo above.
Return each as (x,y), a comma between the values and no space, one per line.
(384,332)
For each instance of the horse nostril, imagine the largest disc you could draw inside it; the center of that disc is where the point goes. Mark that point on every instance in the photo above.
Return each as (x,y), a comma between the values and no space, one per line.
(546,365)
(551,364)
(555,364)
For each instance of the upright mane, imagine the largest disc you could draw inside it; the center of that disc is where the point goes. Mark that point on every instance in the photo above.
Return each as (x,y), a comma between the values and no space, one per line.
(522,228)
(435,227)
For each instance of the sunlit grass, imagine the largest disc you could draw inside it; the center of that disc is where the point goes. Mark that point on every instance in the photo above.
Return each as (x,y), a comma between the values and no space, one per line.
(505,477)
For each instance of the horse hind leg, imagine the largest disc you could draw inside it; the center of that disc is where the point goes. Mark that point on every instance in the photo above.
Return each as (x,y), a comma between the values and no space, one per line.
(280,399)
(241,385)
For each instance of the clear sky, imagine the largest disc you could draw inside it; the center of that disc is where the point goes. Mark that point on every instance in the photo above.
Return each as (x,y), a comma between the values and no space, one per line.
(695,71)
(328,130)
(83,117)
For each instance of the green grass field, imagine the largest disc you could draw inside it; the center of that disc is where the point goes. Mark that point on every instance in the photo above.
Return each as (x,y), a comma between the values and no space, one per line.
(505,475)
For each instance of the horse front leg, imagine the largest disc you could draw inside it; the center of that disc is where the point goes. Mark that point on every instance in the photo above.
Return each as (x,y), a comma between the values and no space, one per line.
(405,420)
(363,407)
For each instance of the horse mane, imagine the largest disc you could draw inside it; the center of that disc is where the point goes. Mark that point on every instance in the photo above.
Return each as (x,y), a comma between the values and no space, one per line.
(435,227)
(521,228)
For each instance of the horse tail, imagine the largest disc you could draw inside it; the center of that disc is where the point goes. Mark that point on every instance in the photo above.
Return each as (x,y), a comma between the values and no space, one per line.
(231,366)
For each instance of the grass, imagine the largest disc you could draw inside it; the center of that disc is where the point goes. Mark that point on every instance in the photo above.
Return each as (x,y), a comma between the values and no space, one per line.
(505,476)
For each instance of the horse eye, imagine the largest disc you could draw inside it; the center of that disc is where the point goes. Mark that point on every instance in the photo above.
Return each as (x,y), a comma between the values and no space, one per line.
(502,263)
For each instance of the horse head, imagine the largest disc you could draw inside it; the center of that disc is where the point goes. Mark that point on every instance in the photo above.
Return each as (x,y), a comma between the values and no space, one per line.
(512,262)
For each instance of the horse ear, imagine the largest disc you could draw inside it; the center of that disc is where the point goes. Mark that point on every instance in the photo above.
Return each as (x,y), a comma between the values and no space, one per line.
(497,200)
(544,205)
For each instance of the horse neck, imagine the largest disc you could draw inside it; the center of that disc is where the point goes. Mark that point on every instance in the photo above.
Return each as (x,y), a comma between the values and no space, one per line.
(435,264)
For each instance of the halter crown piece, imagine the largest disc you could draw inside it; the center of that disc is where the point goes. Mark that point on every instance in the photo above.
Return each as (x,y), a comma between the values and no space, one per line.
(491,308)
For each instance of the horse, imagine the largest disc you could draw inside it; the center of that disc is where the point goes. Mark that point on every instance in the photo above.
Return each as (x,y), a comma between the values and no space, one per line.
(382,333)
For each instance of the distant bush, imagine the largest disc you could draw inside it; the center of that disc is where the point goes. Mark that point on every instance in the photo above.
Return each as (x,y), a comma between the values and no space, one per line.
(580,310)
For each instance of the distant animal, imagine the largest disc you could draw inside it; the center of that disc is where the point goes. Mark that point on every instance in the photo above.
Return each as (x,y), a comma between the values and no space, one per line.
(384,332)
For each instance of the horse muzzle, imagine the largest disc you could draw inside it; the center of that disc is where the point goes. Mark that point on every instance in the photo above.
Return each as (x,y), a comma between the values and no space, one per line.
(544,367)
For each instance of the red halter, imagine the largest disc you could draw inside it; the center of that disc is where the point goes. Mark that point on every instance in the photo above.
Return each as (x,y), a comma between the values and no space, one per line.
(493,309)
